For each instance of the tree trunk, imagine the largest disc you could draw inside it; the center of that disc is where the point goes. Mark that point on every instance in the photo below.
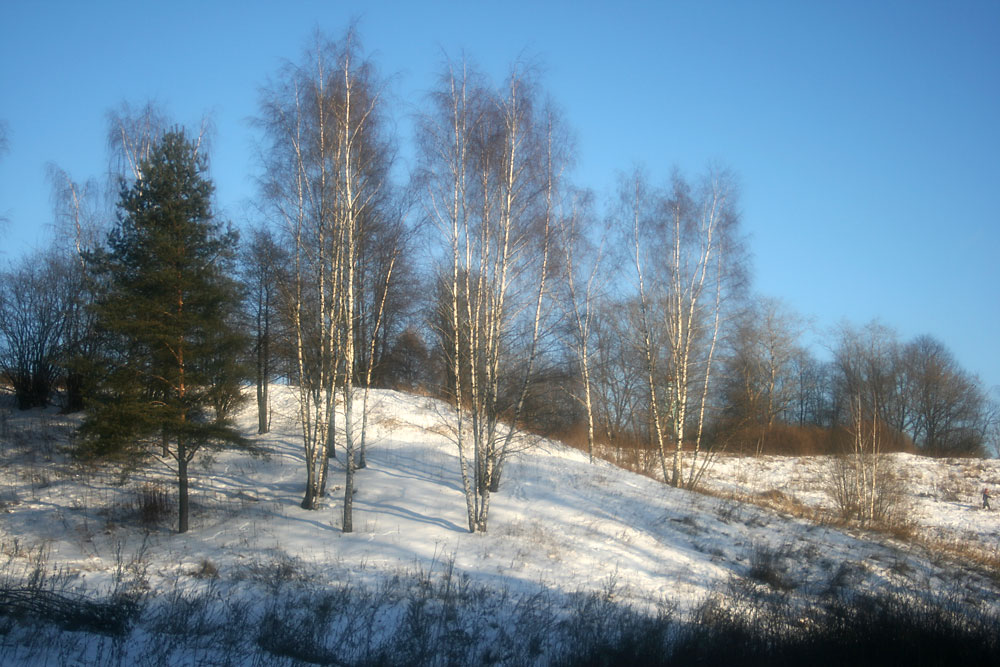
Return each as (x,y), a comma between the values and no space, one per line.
(74,392)
(262,422)
(182,488)
(263,369)
(349,491)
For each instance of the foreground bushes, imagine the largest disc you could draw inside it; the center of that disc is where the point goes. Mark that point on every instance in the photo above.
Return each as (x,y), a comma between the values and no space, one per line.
(871,629)
(270,618)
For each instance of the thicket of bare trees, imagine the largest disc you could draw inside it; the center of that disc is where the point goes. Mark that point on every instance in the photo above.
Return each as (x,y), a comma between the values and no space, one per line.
(915,391)
(37,308)
(917,388)
(761,382)
(48,336)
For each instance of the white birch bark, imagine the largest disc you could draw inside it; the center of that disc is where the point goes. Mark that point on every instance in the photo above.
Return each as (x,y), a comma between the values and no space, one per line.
(580,310)
(484,158)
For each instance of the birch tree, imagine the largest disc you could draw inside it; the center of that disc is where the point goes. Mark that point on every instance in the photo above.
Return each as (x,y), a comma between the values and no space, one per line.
(686,253)
(326,168)
(445,137)
(81,225)
(863,481)
(584,277)
(134,131)
(298,163)
(490,169)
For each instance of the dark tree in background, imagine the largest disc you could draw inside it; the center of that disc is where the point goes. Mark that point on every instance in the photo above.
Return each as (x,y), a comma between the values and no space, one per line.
(951,409)
(35,297)
(168,307)
(264,270)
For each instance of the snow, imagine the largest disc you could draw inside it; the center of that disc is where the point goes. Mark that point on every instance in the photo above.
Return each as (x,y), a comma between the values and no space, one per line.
(942,497)
(559,522)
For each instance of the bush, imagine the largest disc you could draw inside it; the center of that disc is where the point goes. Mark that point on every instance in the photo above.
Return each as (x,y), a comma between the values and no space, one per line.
(873,629)
(37,597)
(152,504)
(767,566)
(868,489)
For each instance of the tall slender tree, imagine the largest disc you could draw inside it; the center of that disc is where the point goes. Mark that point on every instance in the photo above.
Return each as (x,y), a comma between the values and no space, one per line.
(491,161)
(327,162)
(686,248)
(758,383)
(264,270)
(167,307)
(583,277)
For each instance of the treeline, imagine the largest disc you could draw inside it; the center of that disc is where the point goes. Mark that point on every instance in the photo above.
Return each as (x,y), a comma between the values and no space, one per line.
(486,278)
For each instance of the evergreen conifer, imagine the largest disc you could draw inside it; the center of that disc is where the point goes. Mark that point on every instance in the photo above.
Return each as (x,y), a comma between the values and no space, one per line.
(168,315)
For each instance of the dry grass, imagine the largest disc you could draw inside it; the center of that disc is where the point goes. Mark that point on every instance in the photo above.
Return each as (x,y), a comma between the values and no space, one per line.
(985,560)
(784,503)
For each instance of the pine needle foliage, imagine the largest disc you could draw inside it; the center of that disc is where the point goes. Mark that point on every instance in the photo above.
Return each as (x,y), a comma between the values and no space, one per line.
(168,313)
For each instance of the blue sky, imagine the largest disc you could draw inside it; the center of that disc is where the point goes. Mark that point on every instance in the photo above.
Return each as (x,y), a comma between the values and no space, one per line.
(866,134)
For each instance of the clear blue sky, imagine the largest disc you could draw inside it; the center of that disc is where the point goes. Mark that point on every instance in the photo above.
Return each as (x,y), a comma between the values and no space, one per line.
(866,134)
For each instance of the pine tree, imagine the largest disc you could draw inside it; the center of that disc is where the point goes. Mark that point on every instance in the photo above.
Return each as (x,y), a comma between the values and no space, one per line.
(168,312)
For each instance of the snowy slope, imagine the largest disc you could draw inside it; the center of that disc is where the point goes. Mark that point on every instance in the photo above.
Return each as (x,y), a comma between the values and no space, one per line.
(941,498)
(559,523)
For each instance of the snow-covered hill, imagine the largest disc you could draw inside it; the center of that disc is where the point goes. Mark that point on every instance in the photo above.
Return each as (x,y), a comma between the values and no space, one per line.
(559,525)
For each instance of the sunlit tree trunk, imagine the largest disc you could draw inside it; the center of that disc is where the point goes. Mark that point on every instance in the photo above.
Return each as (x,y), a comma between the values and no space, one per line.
(580,309)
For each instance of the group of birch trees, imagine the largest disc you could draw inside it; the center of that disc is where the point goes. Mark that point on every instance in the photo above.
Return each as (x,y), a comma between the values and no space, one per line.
(647,296)
(686,249)
(492,161)
(327,158)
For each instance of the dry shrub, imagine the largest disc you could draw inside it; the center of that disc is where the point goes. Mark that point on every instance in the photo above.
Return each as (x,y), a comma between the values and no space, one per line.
(574,436)
(798,440)
(868,489)
(630,453)
(890,440)
(768,566)
(978,555)
(152,504)
(206,570)
(626,450)
(782,502)
(780,439)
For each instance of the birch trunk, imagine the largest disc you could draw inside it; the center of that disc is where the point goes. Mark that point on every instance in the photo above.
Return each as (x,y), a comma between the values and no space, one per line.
(649,358)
